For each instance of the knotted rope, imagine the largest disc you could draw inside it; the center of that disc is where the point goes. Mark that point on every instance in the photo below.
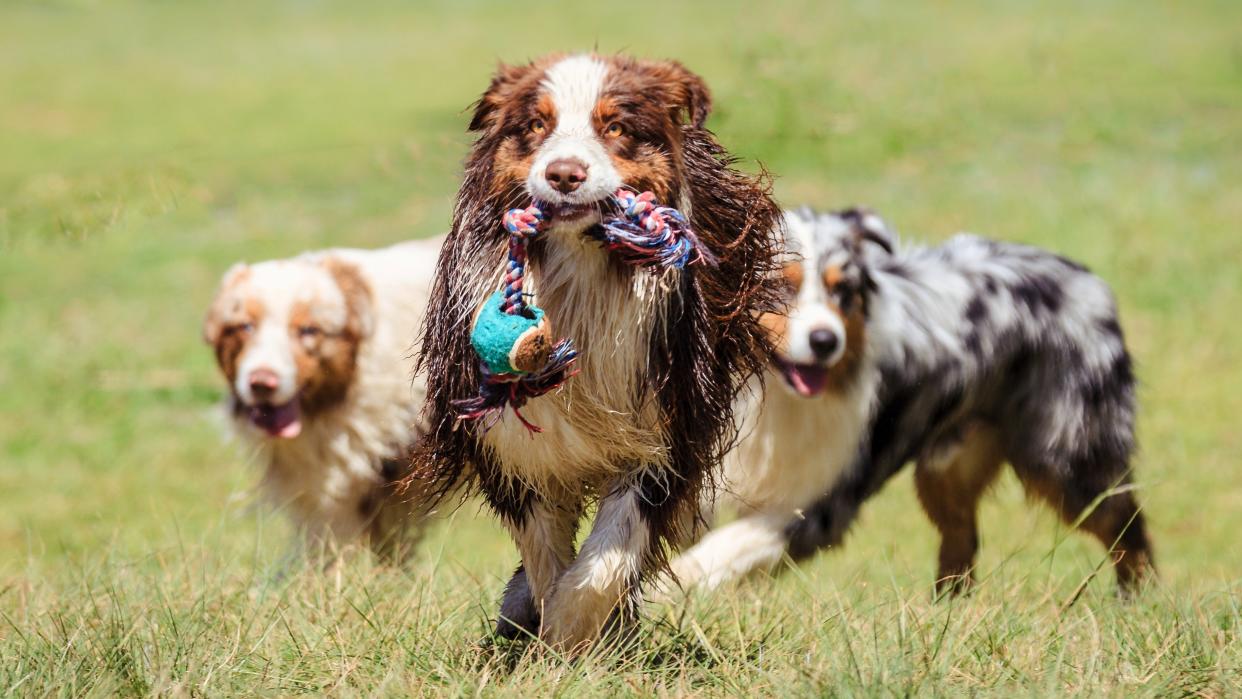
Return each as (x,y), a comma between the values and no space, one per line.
(648,235)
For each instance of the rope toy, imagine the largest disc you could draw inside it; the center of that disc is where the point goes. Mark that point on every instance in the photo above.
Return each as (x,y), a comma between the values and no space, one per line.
(518,360)
(648,235)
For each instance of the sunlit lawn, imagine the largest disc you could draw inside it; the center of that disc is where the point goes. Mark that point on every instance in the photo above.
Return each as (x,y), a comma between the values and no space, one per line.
(145,146)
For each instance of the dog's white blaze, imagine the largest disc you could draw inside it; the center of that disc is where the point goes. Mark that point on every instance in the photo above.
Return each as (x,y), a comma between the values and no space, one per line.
(270,346)
(575,85)
(810,312)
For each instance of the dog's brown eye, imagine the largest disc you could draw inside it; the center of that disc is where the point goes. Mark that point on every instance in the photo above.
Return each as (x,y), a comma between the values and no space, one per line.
(308,331)
(846,299)
(239,329)
(614,130)
(537,126)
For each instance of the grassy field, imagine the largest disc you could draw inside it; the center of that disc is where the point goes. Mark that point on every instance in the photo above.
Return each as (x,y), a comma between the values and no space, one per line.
(144,147)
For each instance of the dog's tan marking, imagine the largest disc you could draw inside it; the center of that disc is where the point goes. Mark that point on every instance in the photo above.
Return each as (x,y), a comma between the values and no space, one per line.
(846,369)
(832,276)
(777,327)
(325,360)
(224,328)
(792,274)
(950,479)
(512,167)
(358,296)
(648,170)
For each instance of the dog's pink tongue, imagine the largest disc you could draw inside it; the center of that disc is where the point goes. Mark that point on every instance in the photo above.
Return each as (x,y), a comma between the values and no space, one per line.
(282,421)
(806,380)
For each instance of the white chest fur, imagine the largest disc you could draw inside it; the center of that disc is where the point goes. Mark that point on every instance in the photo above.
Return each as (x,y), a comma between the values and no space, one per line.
(605,417)
(793,449)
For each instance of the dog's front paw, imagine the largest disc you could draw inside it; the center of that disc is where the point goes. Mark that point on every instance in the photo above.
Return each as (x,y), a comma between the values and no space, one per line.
(519,615)
(573,620)
(568,633)
(512,626)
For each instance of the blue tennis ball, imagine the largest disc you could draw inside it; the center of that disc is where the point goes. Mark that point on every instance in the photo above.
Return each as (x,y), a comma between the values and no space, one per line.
(499,338)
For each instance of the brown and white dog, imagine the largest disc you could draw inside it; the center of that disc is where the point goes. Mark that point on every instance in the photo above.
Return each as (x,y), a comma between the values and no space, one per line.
(316,352)
(662,353)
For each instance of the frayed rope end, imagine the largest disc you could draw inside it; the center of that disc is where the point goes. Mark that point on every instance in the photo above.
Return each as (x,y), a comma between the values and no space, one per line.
(499,390)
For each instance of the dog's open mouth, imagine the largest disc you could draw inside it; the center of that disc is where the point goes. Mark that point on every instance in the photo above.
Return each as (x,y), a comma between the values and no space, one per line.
(807,379)
(561,213)
(280,421)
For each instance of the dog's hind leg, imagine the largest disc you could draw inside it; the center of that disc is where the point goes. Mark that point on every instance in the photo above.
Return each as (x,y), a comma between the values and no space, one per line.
(950,478)
(1101,497)
(1119,524)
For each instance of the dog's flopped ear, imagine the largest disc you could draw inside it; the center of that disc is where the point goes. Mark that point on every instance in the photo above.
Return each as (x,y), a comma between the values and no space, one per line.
(504,82)
(213,323)
(361,320)
(685,91)
(871,228)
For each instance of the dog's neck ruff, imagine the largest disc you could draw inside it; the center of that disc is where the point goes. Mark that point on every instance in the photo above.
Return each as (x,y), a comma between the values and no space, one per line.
(641,233)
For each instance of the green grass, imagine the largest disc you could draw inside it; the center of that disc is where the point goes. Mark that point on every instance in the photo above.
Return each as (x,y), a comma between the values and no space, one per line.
(144,147)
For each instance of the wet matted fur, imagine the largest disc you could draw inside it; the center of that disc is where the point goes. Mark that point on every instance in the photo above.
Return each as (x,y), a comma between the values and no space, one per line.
(663,354)
(958,357)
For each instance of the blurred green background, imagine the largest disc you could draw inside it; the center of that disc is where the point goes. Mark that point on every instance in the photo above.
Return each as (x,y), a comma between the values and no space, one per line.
(146,146)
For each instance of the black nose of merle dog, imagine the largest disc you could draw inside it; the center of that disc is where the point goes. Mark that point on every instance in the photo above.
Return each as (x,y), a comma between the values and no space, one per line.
(824,343)
(565,175)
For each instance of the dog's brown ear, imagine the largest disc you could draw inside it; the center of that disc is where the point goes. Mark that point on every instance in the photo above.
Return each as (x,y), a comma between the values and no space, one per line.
(685,91)
(504,82)
(213,323)
(357,293)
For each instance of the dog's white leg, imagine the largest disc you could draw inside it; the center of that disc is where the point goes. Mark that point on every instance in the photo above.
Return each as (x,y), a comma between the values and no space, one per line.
(604,580)
(752,543)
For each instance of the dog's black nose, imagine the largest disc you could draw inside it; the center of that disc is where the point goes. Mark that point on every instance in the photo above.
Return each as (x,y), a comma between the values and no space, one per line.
(565,175)
(824,343)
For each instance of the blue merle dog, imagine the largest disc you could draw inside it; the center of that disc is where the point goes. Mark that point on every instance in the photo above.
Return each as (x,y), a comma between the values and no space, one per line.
(958,358)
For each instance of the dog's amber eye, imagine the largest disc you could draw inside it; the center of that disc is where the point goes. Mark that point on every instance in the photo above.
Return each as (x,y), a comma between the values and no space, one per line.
(537,126)
(614,130)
